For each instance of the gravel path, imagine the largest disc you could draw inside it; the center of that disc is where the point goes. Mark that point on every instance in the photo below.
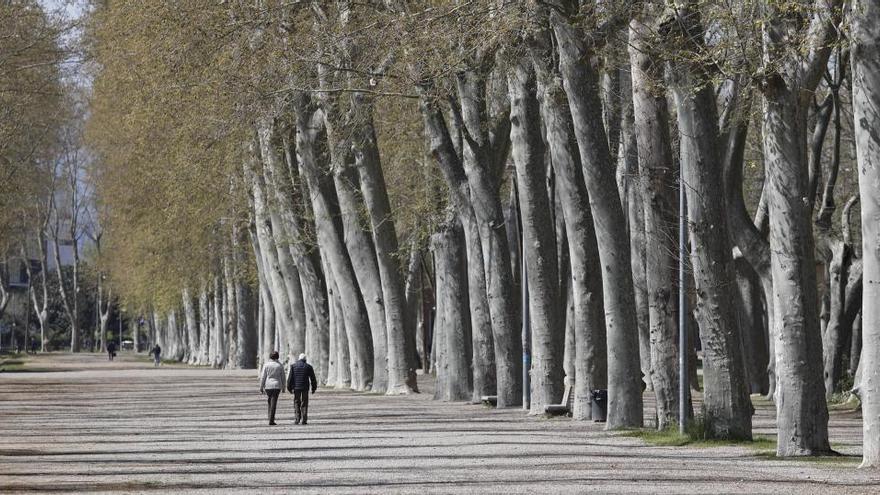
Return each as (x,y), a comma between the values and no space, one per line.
(126,427)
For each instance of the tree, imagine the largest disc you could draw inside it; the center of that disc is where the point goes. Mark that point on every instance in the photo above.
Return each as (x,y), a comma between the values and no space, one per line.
(787,79)
(658,177)
(581,86)
(866,110)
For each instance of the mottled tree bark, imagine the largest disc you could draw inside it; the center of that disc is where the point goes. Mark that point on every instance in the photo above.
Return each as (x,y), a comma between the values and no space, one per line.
(539,239)
(349,299)
(726,404)
(633,205)
(453,326)
(785,88)
(581,86)
(866,109)
(491,372)
(658,172)
(484,152)
(360,246)
(753,325)
(401,366)
(589,351)
(802,420)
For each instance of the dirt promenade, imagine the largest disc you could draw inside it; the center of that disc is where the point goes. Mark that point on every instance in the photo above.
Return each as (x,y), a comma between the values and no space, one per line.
(127,427)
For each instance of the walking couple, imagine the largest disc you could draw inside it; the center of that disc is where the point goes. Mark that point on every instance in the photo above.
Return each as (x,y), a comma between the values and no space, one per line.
(298,382)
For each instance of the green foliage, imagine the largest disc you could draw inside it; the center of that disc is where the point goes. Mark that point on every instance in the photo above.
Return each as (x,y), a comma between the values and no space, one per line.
(30,109)
(695,436)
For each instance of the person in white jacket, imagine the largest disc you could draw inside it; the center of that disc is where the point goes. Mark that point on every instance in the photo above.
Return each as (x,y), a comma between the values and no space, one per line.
(272,383)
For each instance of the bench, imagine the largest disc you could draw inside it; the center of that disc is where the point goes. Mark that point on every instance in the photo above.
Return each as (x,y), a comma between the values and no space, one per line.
(567,403)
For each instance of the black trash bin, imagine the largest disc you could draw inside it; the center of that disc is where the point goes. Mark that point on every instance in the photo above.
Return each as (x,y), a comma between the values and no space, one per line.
(599,405)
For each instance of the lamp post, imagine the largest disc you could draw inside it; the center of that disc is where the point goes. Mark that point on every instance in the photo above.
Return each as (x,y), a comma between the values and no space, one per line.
(682,307)
(524,303)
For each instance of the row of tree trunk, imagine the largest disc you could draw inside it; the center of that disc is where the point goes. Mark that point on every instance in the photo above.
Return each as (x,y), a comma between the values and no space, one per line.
(594,250)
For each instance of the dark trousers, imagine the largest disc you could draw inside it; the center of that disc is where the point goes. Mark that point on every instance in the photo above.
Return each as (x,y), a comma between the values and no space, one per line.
(301,406)
(273,402)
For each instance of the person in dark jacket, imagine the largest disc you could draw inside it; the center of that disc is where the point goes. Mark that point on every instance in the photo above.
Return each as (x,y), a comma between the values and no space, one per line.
(111,350)
(301,378)
(156,351)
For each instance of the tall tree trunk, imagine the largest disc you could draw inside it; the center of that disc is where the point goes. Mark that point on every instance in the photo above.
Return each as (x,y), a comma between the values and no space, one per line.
(360,246)
(581,86)
(401,366)
(633,206)
(292,195)
(658,172)
(836,331)
(279,211)
(484,153)
(345,366)
(192,329)
(204,330)
(266,231)
(539,239)
(488,308)
(802,420)
(726,404)
(453,373)
(266,311)
(585,281)
(245,327)
(866,109)
(413,292)
(753,324)
(351,305)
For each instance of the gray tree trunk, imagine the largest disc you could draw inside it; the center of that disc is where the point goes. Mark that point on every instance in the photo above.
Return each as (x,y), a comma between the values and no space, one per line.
(351,305)
(344,364)
(204,330)
(659,176)
(633,205)
(275,259)
(246,338)
(754,326)
(401,366)
(581,86)
(866,109)
(413,292)
(292,194)
(539,239)
(453,366)
(802,420)
(590,364)
(726,404)
(363,257)
(192,325)
(360,246)
(836,331)
(493,370)
(484,156)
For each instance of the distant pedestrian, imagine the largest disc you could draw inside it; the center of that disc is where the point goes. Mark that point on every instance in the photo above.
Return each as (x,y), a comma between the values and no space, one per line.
(302,377)
(156,351)
(272,383)
(33,346)
(111,350)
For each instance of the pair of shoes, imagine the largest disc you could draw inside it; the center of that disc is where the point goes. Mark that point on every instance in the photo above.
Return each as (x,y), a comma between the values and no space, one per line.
(273,423)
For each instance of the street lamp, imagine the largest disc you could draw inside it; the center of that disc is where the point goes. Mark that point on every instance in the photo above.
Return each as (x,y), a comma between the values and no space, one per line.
(682,307)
